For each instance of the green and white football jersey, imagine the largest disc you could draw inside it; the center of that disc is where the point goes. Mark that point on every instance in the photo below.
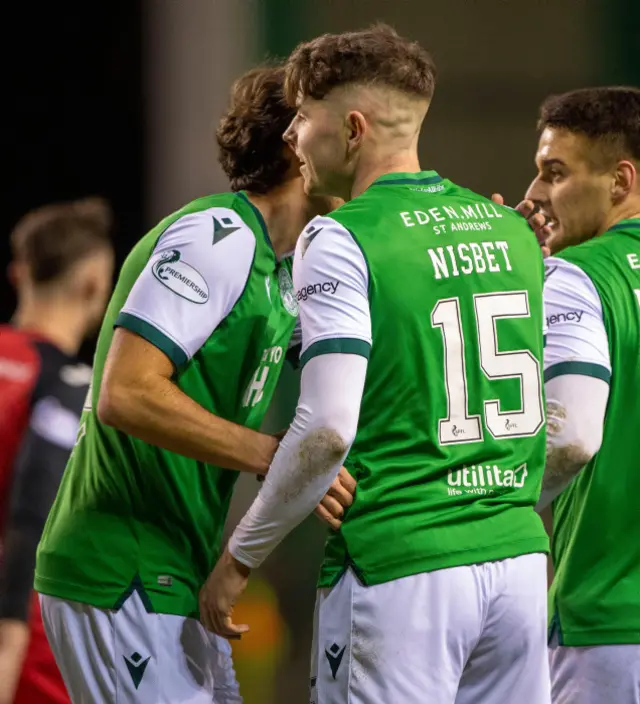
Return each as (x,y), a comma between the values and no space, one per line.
(592,304)
(442,291)
(205,287)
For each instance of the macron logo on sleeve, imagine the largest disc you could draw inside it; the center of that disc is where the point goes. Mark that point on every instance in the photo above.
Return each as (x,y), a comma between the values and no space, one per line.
(222,228)
(309,235)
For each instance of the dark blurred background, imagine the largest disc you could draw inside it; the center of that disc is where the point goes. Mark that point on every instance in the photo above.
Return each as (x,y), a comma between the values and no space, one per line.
(121,98)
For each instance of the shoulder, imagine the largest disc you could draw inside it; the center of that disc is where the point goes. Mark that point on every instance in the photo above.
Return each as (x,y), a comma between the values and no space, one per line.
(325,240)
(567,282)
(220,214)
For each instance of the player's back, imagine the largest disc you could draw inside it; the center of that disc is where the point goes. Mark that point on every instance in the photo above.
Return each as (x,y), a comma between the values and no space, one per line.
(596,520)
(450,447)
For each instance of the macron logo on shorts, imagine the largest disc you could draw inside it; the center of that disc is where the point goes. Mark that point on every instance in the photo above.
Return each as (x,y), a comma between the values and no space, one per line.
(136,667)
(334,656)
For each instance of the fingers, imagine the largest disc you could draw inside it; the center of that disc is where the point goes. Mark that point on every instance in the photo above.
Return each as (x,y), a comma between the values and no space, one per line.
(340,494)
(326,517)
(338,497)
(347,481)
(497,199)
(218,620)
(543,234)
(228,629)
(333,506)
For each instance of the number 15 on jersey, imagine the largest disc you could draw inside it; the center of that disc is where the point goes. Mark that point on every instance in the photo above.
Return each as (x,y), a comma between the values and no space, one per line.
(459,426)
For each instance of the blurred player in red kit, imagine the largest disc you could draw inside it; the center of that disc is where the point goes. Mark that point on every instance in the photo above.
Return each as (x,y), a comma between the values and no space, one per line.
(62,270)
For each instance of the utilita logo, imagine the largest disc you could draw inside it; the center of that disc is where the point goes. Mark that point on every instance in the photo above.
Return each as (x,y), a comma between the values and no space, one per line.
(485,479)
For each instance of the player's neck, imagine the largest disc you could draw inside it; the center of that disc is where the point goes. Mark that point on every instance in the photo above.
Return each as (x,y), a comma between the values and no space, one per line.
(52,318)
(372,167)
(625,211)
(285,214)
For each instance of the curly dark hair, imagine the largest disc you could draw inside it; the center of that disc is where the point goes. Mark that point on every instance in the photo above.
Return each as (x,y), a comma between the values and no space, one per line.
(249,135)
(53,238)
(609,116)
(377,56)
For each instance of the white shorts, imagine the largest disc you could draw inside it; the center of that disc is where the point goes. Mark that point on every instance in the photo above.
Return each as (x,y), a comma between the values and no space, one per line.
(130,655)
(464,635)
(600,674)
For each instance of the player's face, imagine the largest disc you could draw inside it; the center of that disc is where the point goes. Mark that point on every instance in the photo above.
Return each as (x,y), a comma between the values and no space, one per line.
(317,136)
(572,193)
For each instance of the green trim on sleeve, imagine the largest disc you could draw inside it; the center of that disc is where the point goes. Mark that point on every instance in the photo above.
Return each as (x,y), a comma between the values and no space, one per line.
(336,345)
(154,336)
(584,368)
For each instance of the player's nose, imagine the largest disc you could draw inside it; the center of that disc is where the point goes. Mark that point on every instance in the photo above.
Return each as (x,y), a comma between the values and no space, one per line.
(537,193)
(289,135)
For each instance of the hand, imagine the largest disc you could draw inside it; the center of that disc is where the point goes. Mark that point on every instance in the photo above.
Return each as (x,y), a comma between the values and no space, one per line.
(536,220)
(219,594)
(339,497)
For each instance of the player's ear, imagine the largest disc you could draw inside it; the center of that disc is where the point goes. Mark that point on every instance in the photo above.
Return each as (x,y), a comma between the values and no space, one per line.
(624,180)
(356,127)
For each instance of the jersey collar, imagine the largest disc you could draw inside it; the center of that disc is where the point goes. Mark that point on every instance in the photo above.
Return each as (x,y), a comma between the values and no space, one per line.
(626,224)
(259,218)
(398,178)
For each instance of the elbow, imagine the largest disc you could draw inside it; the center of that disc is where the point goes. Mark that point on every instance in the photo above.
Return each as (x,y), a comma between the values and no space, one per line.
(570,445)
(320,449)
(114,405)
(566,460)
(338,428)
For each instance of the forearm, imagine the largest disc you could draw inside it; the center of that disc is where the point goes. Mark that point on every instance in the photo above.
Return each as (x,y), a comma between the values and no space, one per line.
(159,413)
(302,472)
(309,457)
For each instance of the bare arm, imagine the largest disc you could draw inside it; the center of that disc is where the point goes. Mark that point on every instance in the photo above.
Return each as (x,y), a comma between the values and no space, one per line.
(138,397)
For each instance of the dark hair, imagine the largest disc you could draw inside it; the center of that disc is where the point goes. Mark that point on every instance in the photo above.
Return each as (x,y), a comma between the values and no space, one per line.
(377,56)
(608,115)
(249,135)
(52,238)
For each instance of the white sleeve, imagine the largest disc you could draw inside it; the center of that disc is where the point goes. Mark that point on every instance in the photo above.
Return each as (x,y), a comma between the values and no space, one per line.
(194,277)
(309,457)
(576,407)
(576,340)
(331,279)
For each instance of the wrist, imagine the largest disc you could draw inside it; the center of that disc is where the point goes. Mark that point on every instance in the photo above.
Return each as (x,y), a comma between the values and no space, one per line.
(266,451)
(233,561)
